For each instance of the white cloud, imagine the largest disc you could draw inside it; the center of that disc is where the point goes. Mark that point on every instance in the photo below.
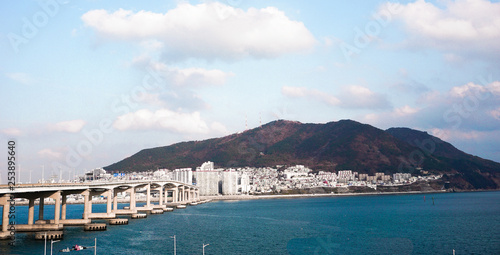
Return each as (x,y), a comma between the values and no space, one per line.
(191,76)
(405,111)
(50,154)
(12,132)
(23,78)
(327,41)
(464,90)
(70,126)
(495,113)
(362,97)
(464,108)
(219,128)
(462,26)
(468,140)
(152,45)
(402,116)
(446,134)
(208,31)
(311,94)
(179,122)
(350,97)
(295,91)
(151,99)
(178,86)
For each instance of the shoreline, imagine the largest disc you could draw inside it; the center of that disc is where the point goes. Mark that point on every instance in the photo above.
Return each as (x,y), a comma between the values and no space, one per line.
(291,196)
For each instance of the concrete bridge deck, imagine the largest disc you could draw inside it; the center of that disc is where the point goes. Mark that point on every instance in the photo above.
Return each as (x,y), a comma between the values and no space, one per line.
(58,192)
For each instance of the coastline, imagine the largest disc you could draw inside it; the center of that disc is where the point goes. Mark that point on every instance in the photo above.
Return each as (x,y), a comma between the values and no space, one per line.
(291,196)
(252,197)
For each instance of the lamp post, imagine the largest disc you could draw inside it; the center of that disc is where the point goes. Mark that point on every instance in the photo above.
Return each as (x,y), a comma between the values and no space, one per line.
(204,245)
(45,247)
(175,251)
(51,242)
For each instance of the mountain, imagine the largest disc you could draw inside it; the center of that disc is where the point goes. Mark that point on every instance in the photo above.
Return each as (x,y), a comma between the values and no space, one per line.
(333,146)
(464,170)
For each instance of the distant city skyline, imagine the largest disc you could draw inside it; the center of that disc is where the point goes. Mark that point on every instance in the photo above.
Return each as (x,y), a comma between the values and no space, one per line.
(88,83)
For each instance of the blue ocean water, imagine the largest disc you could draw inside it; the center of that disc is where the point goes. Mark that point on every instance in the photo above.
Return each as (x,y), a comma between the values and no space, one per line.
(468,223)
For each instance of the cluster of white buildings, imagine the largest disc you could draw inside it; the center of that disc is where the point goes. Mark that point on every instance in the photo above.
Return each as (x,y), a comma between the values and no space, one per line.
(252,180)
(213,181)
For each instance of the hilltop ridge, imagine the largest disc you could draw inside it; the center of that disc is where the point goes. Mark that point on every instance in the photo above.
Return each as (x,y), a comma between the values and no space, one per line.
(333,146)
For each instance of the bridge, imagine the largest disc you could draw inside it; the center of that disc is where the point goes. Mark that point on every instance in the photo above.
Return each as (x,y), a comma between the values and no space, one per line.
(180,194)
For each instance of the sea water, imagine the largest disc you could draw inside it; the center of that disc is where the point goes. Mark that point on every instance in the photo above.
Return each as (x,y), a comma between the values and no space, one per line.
(468,223)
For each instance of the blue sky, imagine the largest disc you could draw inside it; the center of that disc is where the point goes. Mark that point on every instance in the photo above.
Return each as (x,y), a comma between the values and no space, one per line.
(87,83)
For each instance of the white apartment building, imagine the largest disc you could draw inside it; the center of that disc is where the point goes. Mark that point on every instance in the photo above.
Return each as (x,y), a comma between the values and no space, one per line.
(184,175)
(207,182)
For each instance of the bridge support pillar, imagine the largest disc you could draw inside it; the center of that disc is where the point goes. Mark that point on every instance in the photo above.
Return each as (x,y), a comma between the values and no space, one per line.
(31,211)
(86,206)
(148,195)
(57,207)
(160,201)
(115,200)
(132,198)
(63,207)
(108,201)
(40,207)
(5,217)
(182,194)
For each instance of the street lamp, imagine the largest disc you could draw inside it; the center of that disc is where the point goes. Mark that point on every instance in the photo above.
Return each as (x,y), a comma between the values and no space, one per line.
(51,242)
(175,252)
(204,245)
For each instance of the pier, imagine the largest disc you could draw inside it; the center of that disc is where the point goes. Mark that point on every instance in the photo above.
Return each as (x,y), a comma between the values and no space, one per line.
(38,194)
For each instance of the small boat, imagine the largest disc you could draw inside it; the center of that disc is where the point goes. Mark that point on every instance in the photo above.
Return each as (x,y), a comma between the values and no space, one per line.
(76,248)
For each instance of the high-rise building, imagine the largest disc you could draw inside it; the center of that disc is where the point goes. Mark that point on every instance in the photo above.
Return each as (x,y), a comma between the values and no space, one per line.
(346,175)
(212,181)
(229,182)
(207,179)
(207,166)
(184,175)
(243,183)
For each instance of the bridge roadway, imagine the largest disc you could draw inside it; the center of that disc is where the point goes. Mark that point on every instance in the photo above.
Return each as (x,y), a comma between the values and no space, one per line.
(181,193)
